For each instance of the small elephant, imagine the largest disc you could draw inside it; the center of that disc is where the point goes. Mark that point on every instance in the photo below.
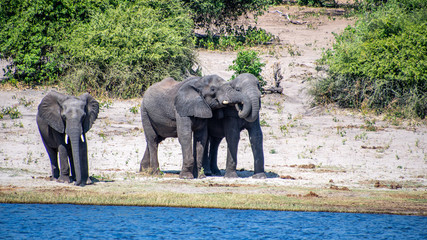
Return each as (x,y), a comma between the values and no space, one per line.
(63,122)
(181,109)
(229,122)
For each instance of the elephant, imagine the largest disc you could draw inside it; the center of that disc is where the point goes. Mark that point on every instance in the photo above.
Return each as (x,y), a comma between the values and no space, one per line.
(181,109)
(63,122)
(228,122)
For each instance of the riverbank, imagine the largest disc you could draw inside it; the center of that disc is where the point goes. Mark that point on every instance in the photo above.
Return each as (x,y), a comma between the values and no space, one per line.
(219,193)
(316,158)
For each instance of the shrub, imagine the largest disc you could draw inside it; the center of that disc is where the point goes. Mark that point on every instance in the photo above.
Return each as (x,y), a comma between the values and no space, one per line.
(380,63)
(220,13)
(248,62)
(127,48)
(235,39)
(13,112)
(317,3)
(30,32)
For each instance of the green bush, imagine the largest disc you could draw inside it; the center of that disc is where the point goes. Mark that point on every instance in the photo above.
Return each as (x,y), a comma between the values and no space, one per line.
(13,112)
(30,32)
(248,62)
(221,13)
(127,48)
(317,3)
(235,39)
(381,62)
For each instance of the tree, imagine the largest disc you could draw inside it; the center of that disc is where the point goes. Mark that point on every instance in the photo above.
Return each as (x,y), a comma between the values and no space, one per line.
(220,13)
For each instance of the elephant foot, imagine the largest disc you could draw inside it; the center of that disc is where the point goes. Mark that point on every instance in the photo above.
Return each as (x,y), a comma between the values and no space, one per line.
(150,171)
(231,174)
(64,179)
(216,172)
(186,175)
(143,167)
(260,175)
(81,183)
(208,173)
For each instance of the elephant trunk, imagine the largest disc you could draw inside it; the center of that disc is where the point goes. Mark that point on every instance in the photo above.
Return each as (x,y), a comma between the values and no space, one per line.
(251,107)
(76,139)
(231,96)
(254,96)
(242,103)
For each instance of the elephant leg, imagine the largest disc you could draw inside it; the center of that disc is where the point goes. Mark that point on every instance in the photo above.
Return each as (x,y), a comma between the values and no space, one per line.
(53,156)
(145,162)
(153,148)
(206,162)
(200,139)
(85,162)
(185,136)
(71,161)
(150,160)
(255,137)
(63,164)
(213,155)
(232,135)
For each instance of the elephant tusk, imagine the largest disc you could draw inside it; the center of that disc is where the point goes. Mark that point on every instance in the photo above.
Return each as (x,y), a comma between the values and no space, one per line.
(82,138)
(225,102)
(66,138)
(238,107)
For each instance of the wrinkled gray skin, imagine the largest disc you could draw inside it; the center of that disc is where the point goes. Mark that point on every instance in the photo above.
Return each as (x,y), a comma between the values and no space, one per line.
(63,122)
(181,109)
(229,122)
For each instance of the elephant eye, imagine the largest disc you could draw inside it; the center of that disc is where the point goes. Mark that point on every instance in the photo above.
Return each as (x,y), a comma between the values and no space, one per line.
(238,89)
(213,89)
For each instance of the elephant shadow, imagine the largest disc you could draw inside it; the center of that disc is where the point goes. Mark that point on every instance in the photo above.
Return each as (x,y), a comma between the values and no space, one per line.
(247,174)
(241,173)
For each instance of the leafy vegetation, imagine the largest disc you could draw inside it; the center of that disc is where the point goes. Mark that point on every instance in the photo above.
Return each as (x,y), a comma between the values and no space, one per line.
(13,112)
(380,63)
(127,48)
(119,47)
(247,61)
(223,14)
(235,39)
(30,32)
(317,3)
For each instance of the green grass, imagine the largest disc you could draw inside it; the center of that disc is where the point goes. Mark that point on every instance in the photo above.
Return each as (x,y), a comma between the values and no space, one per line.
(228,196)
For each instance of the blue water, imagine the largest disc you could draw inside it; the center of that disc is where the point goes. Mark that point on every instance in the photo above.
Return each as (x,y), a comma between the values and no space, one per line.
(65,221)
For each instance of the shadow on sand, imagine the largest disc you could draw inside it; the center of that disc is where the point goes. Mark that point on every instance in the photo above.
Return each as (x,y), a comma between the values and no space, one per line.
(241,173)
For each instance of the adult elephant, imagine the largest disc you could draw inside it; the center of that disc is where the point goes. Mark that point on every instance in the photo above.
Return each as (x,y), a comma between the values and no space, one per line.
(229,122)
(181,109)
(63,122)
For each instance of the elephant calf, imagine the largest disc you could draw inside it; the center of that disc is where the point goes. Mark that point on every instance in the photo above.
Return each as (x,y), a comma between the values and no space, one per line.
(63,122)
(229,122)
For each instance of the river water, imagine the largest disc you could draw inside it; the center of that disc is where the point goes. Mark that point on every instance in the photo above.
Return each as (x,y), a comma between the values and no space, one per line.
(66,221)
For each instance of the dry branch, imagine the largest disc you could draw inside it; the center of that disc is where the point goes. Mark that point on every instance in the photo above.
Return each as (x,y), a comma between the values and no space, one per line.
(287,17)
(276,88)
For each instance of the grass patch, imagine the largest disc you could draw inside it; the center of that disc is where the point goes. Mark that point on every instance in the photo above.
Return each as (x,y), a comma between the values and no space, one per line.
(208,195)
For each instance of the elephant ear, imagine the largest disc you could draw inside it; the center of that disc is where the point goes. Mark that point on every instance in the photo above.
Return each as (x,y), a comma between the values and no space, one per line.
(50,110)
(190,103)
(92,110)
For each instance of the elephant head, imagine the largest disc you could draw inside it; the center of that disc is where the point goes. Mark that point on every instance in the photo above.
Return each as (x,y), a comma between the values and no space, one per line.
(72,117)
(248,85)
(199,96)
